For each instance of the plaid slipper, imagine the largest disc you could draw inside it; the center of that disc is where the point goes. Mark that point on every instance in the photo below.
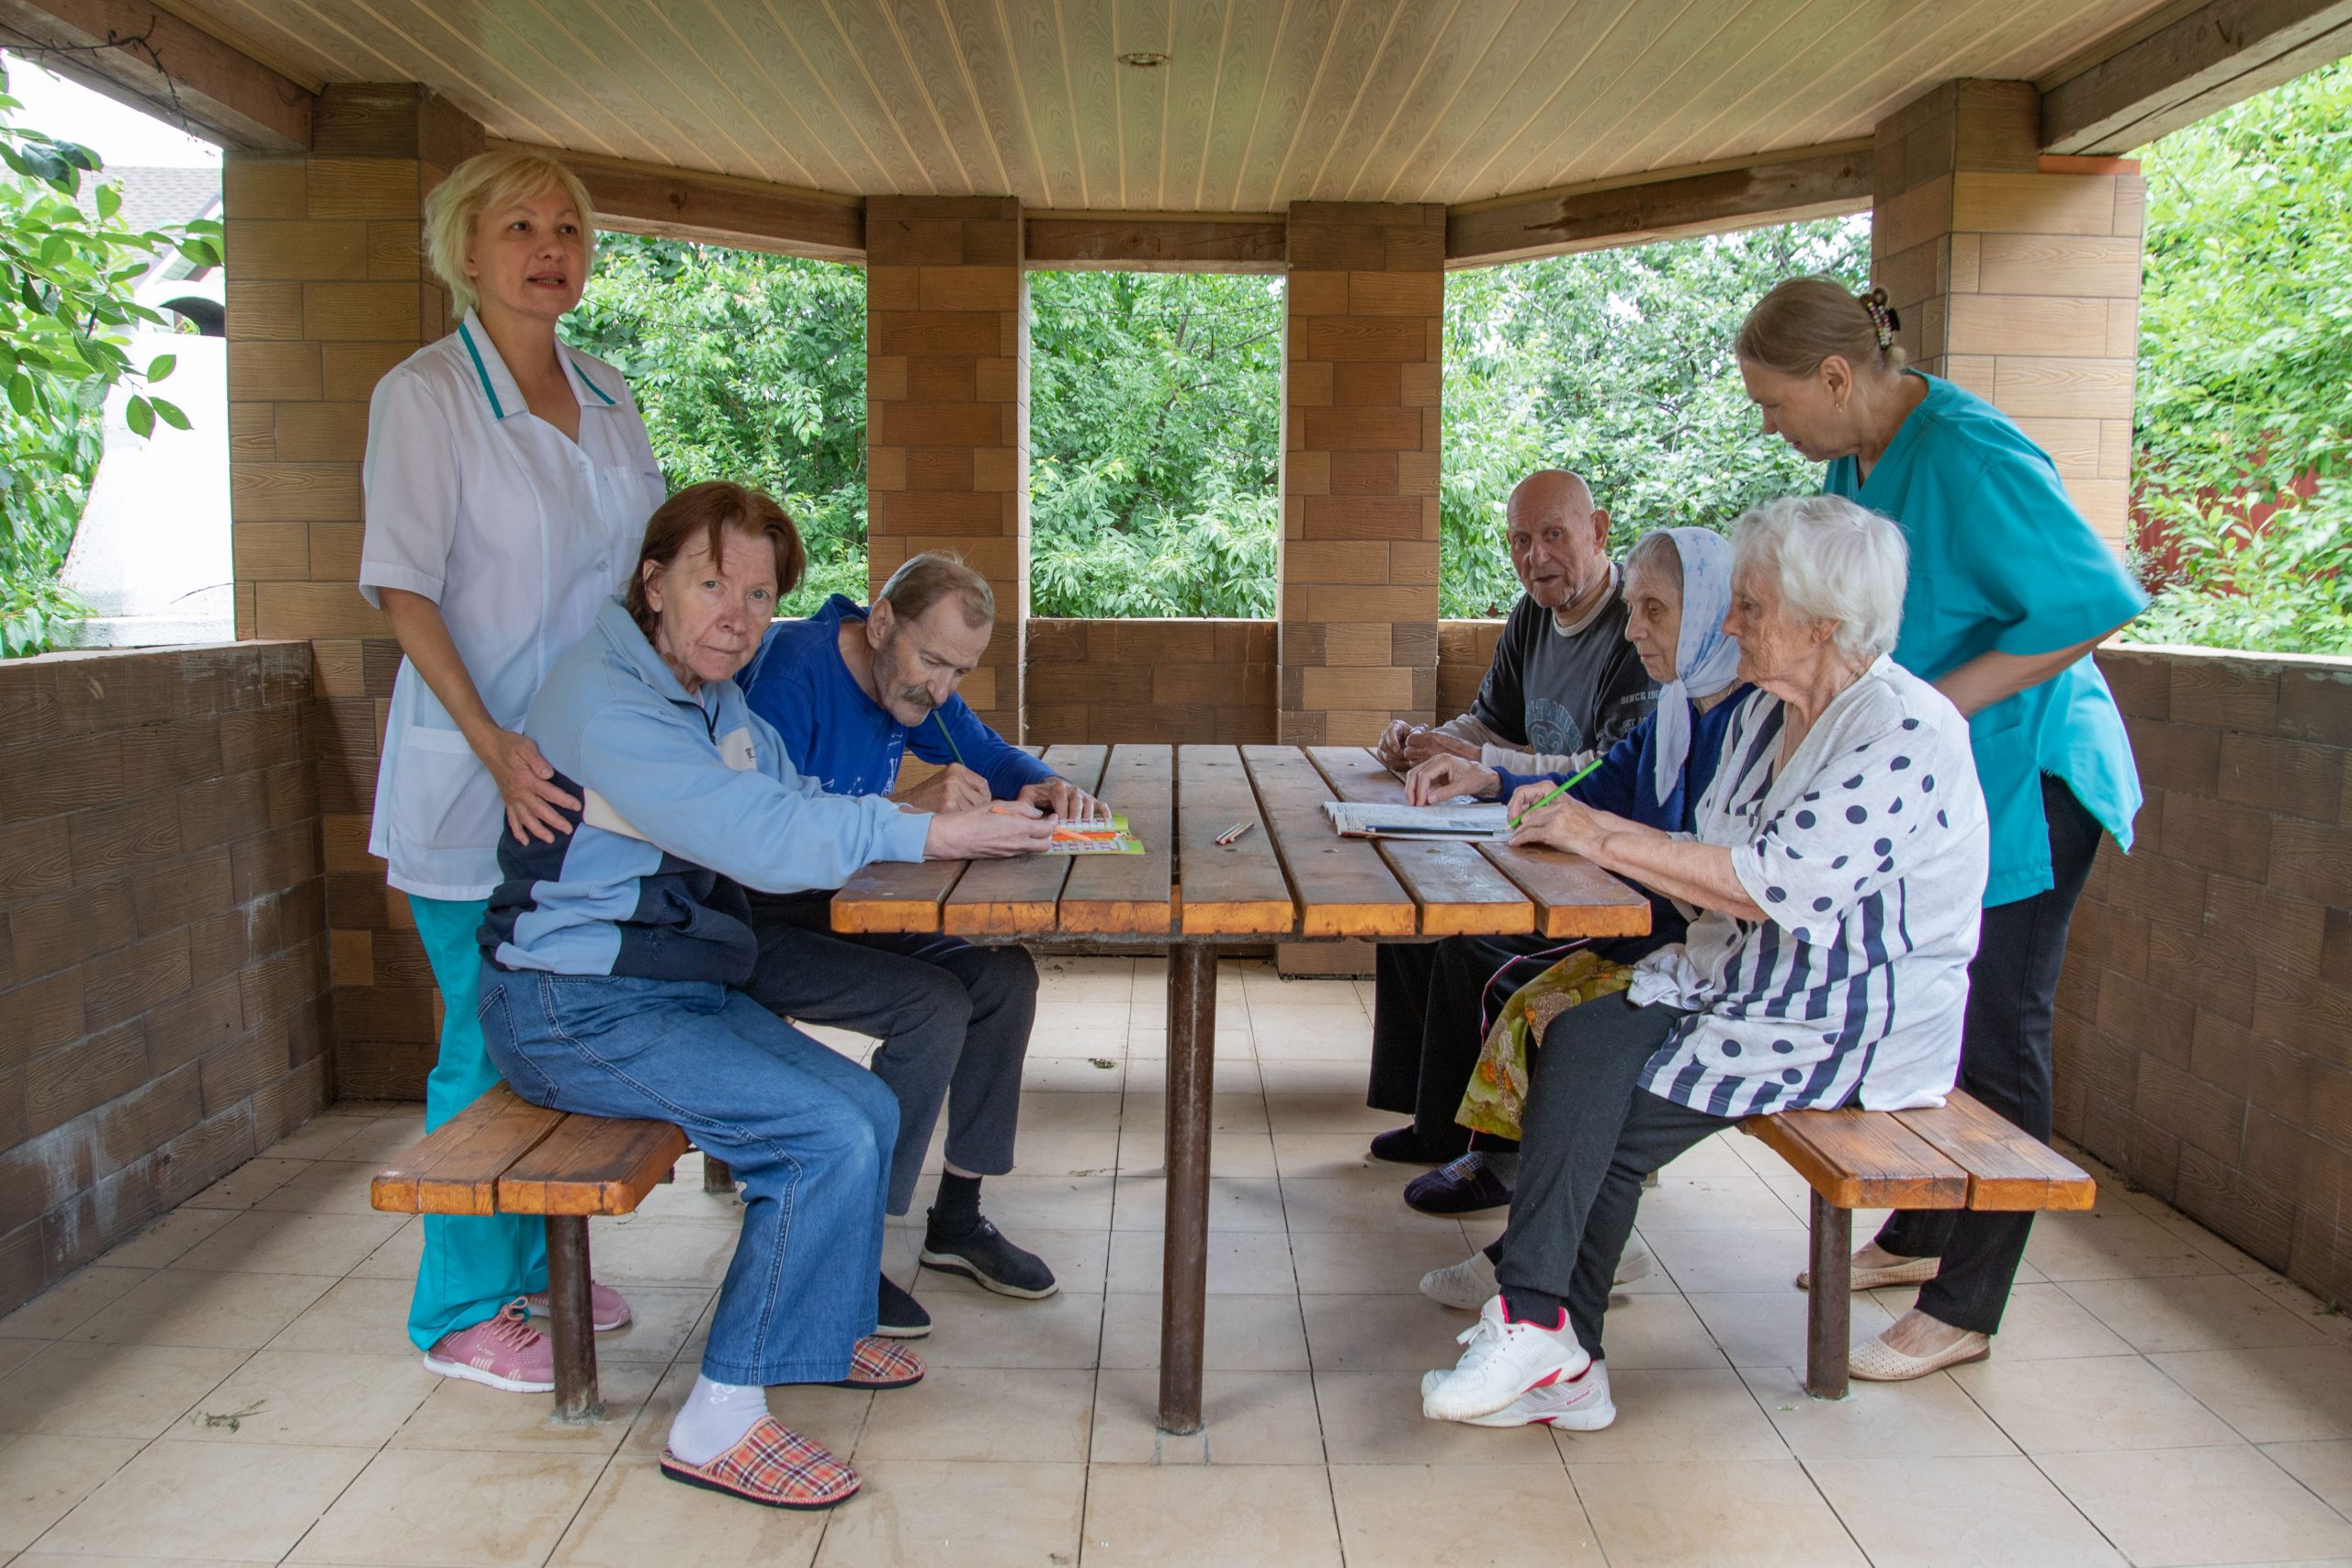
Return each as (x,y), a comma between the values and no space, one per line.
(877,1363)
(773,1466)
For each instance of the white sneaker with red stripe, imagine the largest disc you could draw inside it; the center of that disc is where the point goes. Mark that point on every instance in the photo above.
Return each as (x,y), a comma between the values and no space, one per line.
(1502,1362)
(606,1310)
(1573,1404)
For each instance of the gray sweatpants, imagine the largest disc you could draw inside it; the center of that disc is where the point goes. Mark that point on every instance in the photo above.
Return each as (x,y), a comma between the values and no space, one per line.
(953,1020)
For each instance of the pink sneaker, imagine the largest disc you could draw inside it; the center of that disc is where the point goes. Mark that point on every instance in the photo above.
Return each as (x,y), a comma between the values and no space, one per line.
(606,1311)
(504,1351)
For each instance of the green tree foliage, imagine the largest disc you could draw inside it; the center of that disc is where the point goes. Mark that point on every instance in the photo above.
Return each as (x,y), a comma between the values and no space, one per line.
(66,317)
(2246,369)
(1616,364)
(1153,428)
(751,367)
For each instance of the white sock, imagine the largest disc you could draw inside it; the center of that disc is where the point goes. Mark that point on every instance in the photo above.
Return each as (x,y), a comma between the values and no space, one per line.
(715,1417)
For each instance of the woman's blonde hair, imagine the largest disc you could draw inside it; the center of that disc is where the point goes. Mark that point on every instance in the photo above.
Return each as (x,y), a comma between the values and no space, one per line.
(501,174)
(1806,319)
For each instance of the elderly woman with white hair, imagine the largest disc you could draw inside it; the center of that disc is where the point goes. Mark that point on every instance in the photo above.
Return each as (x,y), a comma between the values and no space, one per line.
(1837,869)
(508,478)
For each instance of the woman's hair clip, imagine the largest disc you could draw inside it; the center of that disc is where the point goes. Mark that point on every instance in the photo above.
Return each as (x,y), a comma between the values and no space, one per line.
(1884,321)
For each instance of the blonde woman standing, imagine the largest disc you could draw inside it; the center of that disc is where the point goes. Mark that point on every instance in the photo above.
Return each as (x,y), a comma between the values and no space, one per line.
(508,478)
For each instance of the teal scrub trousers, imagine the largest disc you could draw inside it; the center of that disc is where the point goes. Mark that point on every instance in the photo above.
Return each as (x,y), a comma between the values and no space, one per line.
(472,1265)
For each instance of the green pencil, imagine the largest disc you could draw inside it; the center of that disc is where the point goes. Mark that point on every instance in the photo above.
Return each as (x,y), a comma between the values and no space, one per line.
(1559,790)
(951,739)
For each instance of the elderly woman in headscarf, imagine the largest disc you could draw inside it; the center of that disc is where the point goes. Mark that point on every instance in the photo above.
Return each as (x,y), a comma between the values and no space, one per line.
(1677,590)
(1836,871)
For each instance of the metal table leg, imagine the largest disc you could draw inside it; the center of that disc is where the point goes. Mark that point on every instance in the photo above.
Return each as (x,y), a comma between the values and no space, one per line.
(1184,1264)
(577,1398)
(1829,1314)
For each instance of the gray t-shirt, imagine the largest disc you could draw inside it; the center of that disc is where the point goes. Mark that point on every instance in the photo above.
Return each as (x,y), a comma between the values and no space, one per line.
(1561,694)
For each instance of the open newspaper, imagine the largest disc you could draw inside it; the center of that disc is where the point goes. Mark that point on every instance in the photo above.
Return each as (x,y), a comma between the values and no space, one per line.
(1365,819)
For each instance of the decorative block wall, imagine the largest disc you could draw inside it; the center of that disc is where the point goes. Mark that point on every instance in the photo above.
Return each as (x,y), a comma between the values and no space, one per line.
(163,937)
(328,291)
(1361,365)
(2204,1028)
(1151,681)
(2017,275)
(947,408)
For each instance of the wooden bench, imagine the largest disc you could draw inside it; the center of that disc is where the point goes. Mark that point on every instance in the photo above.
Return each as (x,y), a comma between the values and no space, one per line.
(503,1155)
(1962,1155)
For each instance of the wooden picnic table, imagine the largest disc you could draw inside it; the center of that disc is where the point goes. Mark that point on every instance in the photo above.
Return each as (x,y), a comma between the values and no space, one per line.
(1290,878)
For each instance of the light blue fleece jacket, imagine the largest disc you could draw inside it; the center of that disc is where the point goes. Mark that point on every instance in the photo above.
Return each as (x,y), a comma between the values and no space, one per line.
(684,796)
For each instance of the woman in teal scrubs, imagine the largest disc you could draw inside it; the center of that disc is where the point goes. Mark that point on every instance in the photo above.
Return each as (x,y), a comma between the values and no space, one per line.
(2009,592)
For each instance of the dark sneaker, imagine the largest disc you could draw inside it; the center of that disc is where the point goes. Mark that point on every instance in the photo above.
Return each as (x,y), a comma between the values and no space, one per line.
(899,1315)
(982,1256)
(1459,1186)
(1405,1145)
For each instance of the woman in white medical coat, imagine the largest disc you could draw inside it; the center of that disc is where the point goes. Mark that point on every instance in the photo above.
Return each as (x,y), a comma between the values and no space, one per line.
(508,480)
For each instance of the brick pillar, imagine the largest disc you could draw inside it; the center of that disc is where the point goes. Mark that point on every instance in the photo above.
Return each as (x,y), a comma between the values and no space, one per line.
(2017,275)
(327,292)
(1361,361)
(947,410)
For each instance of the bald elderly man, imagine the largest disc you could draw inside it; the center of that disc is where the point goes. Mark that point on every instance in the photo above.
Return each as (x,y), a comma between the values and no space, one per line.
(1564,686)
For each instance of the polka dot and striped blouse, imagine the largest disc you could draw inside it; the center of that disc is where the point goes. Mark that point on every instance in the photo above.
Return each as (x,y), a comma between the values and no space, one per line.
(1866,851)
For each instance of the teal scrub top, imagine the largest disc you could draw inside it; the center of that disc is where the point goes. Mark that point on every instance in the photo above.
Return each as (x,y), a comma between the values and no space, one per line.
(2001,562)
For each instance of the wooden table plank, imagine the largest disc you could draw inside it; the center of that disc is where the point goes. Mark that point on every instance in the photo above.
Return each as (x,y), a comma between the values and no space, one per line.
(2008,1169)
(1007,897)
(1460,891)
(1573,897)
(590,1165)
(1128,894)
(455,1169)
(896,895)
(1859,1159)
(1234,890)
(1342,886)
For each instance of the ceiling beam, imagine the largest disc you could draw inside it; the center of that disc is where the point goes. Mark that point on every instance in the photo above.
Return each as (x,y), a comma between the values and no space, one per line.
(1782,187)
(718,209)
(1156,241)
(2204,62)
(156,62)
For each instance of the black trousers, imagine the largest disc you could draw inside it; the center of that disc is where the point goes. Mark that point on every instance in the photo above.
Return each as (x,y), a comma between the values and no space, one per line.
(1591,1133)
(2005,1062)
(1429,1013)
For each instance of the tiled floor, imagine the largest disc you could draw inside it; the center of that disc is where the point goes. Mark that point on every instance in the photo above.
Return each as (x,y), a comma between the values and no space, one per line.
(233,1385)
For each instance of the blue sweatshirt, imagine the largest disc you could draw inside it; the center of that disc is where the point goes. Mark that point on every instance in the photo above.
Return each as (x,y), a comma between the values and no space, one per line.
(839,735)
(684,796)
(1623,787)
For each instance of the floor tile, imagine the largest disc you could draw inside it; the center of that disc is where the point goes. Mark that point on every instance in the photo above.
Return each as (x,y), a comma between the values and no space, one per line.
(1236,1204)
(1239,1515)
(657,1251)
(1927,1417)
(1715,1204)
(635,1516)
(1337,1263)
(249,1184)
(1719,1262)
(982,1413)
(324,1399)
(41,1477)
(398,1257)
(1767,1328)
(661,1317)
(1356,1208)
(1250,1418)
(72,1301)
(1960,1513)
(1020,1203)
(2042,1322)
(2124,1246)
(1653,1331)
(399,1511)
(15,1353)
(2096,1403)
(1375,1418)
(1413,1516)
(257,1243)
(325,1187)
(2212,1312)
(2199,1505)
(1381,1333)
(1663,1515)
(171,1501)
(357,1313)
(384,1139)
(111,1390)
(321,1137)
(2301,1394)
(1323,1154)
(1243,1334)
(1676,1413)
(190,1306)
(1240,1262)
(1247,1152)
(972,1516)
(459,1414)
(972,1328)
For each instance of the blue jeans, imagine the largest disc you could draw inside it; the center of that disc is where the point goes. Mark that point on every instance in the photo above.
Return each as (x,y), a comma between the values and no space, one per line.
(473,1264)
(807,1132)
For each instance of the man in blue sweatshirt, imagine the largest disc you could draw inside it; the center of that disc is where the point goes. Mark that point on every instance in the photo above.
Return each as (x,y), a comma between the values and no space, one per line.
(852,692)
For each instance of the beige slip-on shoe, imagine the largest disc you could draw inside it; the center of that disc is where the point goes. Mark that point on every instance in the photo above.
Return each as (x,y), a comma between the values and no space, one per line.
(1911,1271)
(1878,1361)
